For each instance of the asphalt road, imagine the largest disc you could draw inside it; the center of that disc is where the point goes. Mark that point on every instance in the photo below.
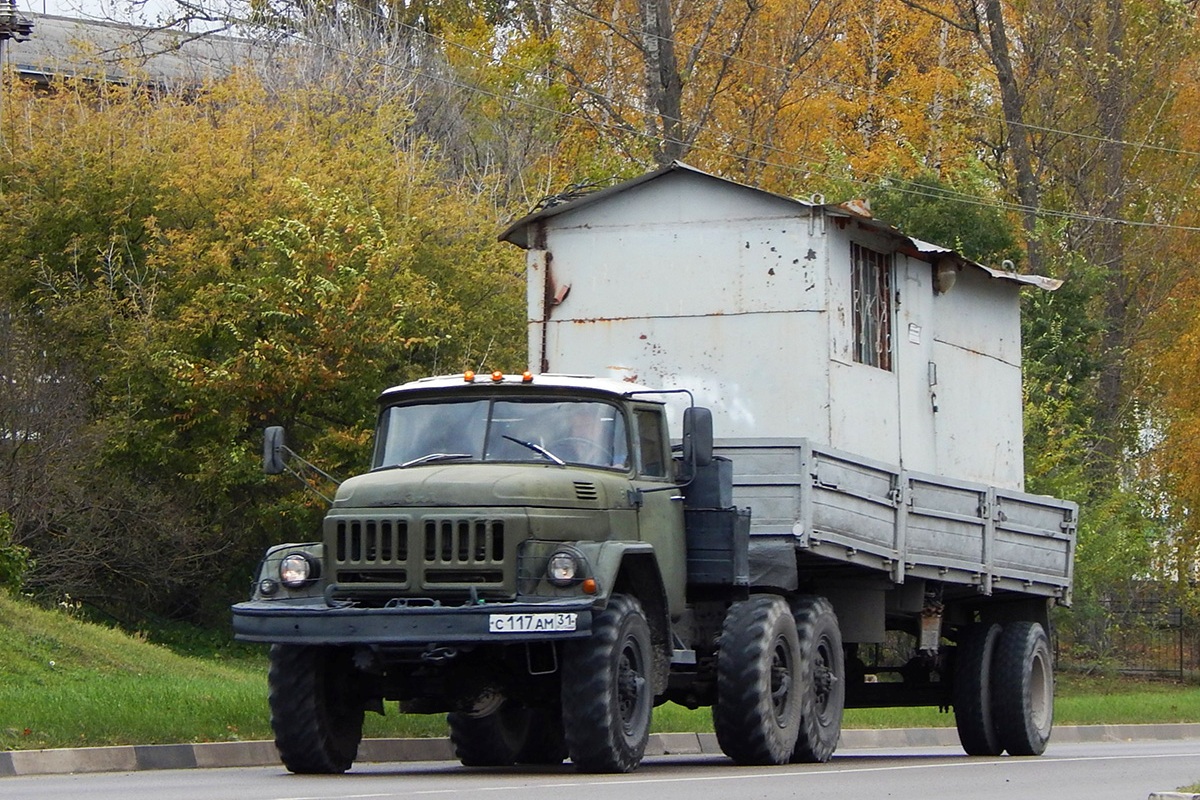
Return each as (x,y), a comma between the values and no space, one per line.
(1069,771)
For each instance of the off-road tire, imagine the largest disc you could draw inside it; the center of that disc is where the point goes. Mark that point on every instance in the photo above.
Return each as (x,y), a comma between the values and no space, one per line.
(607,693)
(824,670)
(545,744)
(1023,689)
(972,695)
(514,734)
(491,741)
(759,674)
(315,713)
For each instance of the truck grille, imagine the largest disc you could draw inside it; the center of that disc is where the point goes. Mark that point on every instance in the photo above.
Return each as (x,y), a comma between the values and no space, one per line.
(418,553)
(372,541)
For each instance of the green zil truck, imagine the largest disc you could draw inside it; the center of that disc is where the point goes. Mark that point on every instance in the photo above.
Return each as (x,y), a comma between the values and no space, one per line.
(546,557)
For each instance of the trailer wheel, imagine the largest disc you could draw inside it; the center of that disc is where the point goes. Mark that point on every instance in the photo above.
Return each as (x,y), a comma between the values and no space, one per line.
(824,665)
(607,695)
(491,741)
(972,695)
(759,690)
(315,713)
(1023,689)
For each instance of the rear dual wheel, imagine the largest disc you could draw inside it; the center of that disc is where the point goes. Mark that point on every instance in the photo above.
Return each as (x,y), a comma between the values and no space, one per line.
(821,647)
(1004,689)
(513,734)
(1023,689)
(973,690)
(759,682)
(780,681)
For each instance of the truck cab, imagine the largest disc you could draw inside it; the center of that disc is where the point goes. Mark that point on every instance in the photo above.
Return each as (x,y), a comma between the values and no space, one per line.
(501,514)
(500,489)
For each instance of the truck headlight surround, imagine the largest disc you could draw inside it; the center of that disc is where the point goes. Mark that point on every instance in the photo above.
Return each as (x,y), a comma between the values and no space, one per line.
(297,570)
(565,568)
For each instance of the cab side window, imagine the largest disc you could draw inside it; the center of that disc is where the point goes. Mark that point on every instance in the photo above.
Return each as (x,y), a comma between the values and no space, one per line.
(652,443)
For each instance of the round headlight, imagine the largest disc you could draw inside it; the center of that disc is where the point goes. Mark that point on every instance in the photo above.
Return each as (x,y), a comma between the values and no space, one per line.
(563,569)
(296,570)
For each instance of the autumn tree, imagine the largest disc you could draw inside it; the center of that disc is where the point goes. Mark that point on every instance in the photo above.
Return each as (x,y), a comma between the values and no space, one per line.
(207,263)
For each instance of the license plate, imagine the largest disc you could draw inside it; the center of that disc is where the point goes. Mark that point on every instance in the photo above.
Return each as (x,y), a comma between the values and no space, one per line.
(531,623)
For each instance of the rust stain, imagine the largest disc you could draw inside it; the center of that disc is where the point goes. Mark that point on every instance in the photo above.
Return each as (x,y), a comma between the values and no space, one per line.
(860,206)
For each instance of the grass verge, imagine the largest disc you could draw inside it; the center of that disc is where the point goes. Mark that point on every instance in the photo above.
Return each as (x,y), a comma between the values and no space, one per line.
(69,683)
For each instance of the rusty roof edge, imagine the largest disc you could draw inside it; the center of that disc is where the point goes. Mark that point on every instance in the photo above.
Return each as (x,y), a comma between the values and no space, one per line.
(1039,281)
(927,248)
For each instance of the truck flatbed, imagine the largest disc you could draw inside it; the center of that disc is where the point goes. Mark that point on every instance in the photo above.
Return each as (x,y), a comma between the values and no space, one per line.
(885,519)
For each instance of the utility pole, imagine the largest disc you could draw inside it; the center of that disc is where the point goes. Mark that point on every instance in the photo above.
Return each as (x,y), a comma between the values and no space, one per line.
(12,26)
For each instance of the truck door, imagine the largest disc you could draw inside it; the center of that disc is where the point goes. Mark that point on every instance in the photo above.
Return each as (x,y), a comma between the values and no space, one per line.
(660,516)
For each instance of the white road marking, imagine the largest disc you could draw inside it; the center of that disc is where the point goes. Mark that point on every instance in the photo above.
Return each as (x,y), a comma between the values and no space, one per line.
(736,774)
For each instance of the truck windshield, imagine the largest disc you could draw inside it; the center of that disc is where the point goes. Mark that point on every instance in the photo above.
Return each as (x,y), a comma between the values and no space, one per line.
(588,432)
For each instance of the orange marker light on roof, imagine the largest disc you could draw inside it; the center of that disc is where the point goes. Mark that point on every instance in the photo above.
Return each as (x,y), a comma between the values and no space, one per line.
(527,377)
(469,376)
(497,376)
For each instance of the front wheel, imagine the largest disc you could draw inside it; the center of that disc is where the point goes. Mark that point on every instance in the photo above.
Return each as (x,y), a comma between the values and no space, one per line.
(1023,689)
(315,713)
(607,695)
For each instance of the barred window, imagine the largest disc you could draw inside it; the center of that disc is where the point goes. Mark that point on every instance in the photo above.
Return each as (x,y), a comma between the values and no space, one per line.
(871,278)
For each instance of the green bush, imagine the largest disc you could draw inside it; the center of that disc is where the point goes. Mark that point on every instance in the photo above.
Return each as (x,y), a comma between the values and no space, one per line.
(14,559)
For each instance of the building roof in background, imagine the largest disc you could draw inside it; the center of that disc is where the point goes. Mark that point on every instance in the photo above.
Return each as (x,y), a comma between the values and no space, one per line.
(66,47)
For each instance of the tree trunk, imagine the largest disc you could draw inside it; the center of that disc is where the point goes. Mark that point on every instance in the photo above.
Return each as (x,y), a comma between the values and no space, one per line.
(664,86)
(1108,246)
(1013,104)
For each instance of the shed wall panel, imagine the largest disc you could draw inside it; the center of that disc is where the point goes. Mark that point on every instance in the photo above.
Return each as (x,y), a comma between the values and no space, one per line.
(686,269)
(978,425)
(755,371)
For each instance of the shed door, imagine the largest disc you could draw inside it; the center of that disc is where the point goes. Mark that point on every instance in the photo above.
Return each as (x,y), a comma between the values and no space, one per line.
(916,366)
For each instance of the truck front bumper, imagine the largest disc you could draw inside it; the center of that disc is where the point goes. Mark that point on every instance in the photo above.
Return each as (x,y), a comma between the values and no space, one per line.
(314,622)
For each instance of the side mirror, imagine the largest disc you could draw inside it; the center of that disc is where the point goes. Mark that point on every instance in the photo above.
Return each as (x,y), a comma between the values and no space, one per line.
(697,436)
(273,450)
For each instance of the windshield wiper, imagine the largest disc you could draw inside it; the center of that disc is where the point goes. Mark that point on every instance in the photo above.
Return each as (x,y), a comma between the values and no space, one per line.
(429,457)
(537,448)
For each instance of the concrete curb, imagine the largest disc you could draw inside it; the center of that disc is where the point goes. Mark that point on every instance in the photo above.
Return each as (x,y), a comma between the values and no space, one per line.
(130,758)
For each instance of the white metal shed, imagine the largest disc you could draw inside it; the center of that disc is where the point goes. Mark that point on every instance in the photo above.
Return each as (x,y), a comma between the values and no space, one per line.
(790,319)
